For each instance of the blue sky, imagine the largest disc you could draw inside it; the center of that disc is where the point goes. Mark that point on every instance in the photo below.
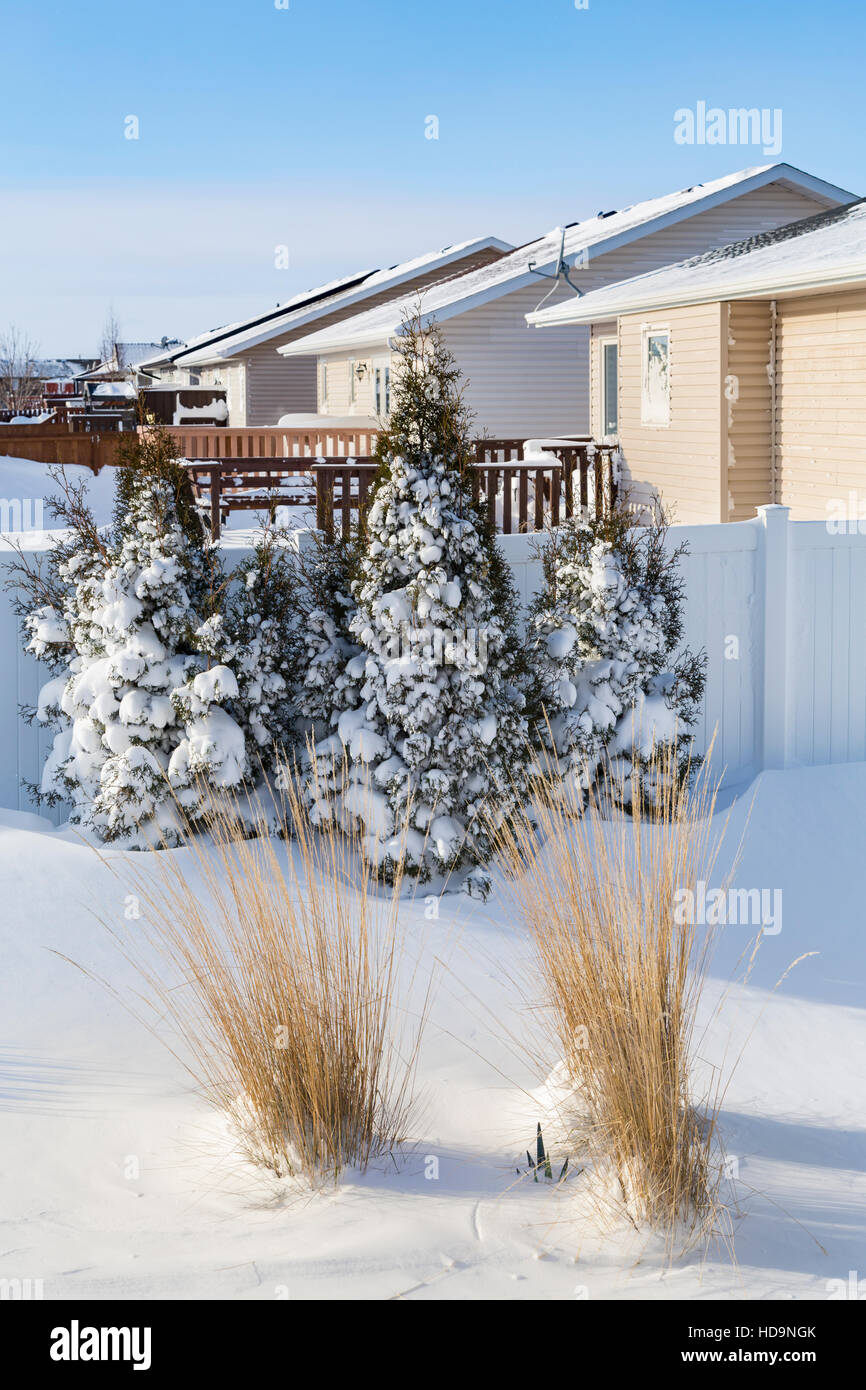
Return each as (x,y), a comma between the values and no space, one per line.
(305,127)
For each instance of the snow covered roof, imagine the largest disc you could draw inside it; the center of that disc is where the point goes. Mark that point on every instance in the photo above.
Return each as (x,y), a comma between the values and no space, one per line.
(126,357)
(62,368)
(819,252)
(220,343)
(116,388)
(323,423)
(601,234)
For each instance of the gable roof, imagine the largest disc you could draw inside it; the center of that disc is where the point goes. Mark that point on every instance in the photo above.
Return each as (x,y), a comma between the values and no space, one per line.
(601,234)
(62,368)
(819,252)
(221,343)
(126,357)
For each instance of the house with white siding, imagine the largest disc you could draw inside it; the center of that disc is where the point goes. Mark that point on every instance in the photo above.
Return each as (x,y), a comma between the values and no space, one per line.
(741,374)
(521,383)
(262,387)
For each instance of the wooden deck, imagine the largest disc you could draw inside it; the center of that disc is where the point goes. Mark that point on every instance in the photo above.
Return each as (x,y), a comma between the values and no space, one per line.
(330,471)
(522,495)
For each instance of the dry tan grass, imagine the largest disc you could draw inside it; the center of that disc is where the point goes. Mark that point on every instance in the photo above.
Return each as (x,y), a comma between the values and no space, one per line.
(621,979)
(279,965)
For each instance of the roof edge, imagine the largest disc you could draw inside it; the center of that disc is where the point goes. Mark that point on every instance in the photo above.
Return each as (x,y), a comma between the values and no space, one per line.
(238,340)
(758,178)
(775,288)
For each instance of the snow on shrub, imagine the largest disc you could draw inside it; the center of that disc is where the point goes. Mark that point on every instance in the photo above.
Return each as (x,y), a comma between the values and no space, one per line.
(430,728)
(257,635)
(324,607)
(163,683)
(608,626)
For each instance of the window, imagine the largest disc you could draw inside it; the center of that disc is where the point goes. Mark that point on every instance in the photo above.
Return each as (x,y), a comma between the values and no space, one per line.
(655,396)
(609,412)
(323,383)
(382,391)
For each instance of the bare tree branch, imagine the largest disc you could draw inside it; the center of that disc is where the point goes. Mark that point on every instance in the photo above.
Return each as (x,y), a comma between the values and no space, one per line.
(110,338)
(20,383)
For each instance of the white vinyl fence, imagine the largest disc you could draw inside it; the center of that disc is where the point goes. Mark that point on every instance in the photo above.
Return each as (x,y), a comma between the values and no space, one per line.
(779,607)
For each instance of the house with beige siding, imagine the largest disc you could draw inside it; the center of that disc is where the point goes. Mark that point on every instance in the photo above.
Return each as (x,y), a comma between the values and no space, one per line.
(520,383)
(738,378)
(263,387)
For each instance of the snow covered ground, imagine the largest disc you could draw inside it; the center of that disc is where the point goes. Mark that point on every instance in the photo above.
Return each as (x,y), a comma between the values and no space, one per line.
(118,1182)
(24,481)
(27,482)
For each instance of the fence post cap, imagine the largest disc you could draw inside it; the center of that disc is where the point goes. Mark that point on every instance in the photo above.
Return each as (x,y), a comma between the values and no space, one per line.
(772,513)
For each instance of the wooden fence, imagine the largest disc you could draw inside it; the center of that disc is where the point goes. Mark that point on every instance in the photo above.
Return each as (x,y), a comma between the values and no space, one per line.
(88,441)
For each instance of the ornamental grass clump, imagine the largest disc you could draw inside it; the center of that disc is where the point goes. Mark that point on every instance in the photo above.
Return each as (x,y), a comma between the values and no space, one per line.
(278,963)
(599,894)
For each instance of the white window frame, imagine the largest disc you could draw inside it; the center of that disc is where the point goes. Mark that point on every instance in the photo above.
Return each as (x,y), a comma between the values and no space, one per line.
(353,380)
(654,413)
(610,340)
(382,387)
(323,384)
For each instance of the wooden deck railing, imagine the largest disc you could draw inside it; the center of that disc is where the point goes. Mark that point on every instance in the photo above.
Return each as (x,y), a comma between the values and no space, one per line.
(271,443)
(336,487)
(522,495)
(26,412)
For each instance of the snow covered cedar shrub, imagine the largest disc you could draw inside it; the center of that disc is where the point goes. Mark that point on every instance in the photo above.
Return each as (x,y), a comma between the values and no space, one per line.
(162,682)
(324,607)
(608,626)
(430,733)
(256,633)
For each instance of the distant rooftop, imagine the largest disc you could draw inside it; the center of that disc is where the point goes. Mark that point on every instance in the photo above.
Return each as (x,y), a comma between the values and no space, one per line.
(128,356)
(309,305)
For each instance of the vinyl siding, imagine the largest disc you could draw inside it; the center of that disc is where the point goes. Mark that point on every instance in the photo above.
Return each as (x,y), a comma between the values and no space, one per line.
(520,386)
(281,385)
(680,463)
(519,381)
(759,211)
(713,462)
(278,385)
(574,405)
(524,382)
(821,402)
(229,375)
(339,401)
(747,404)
